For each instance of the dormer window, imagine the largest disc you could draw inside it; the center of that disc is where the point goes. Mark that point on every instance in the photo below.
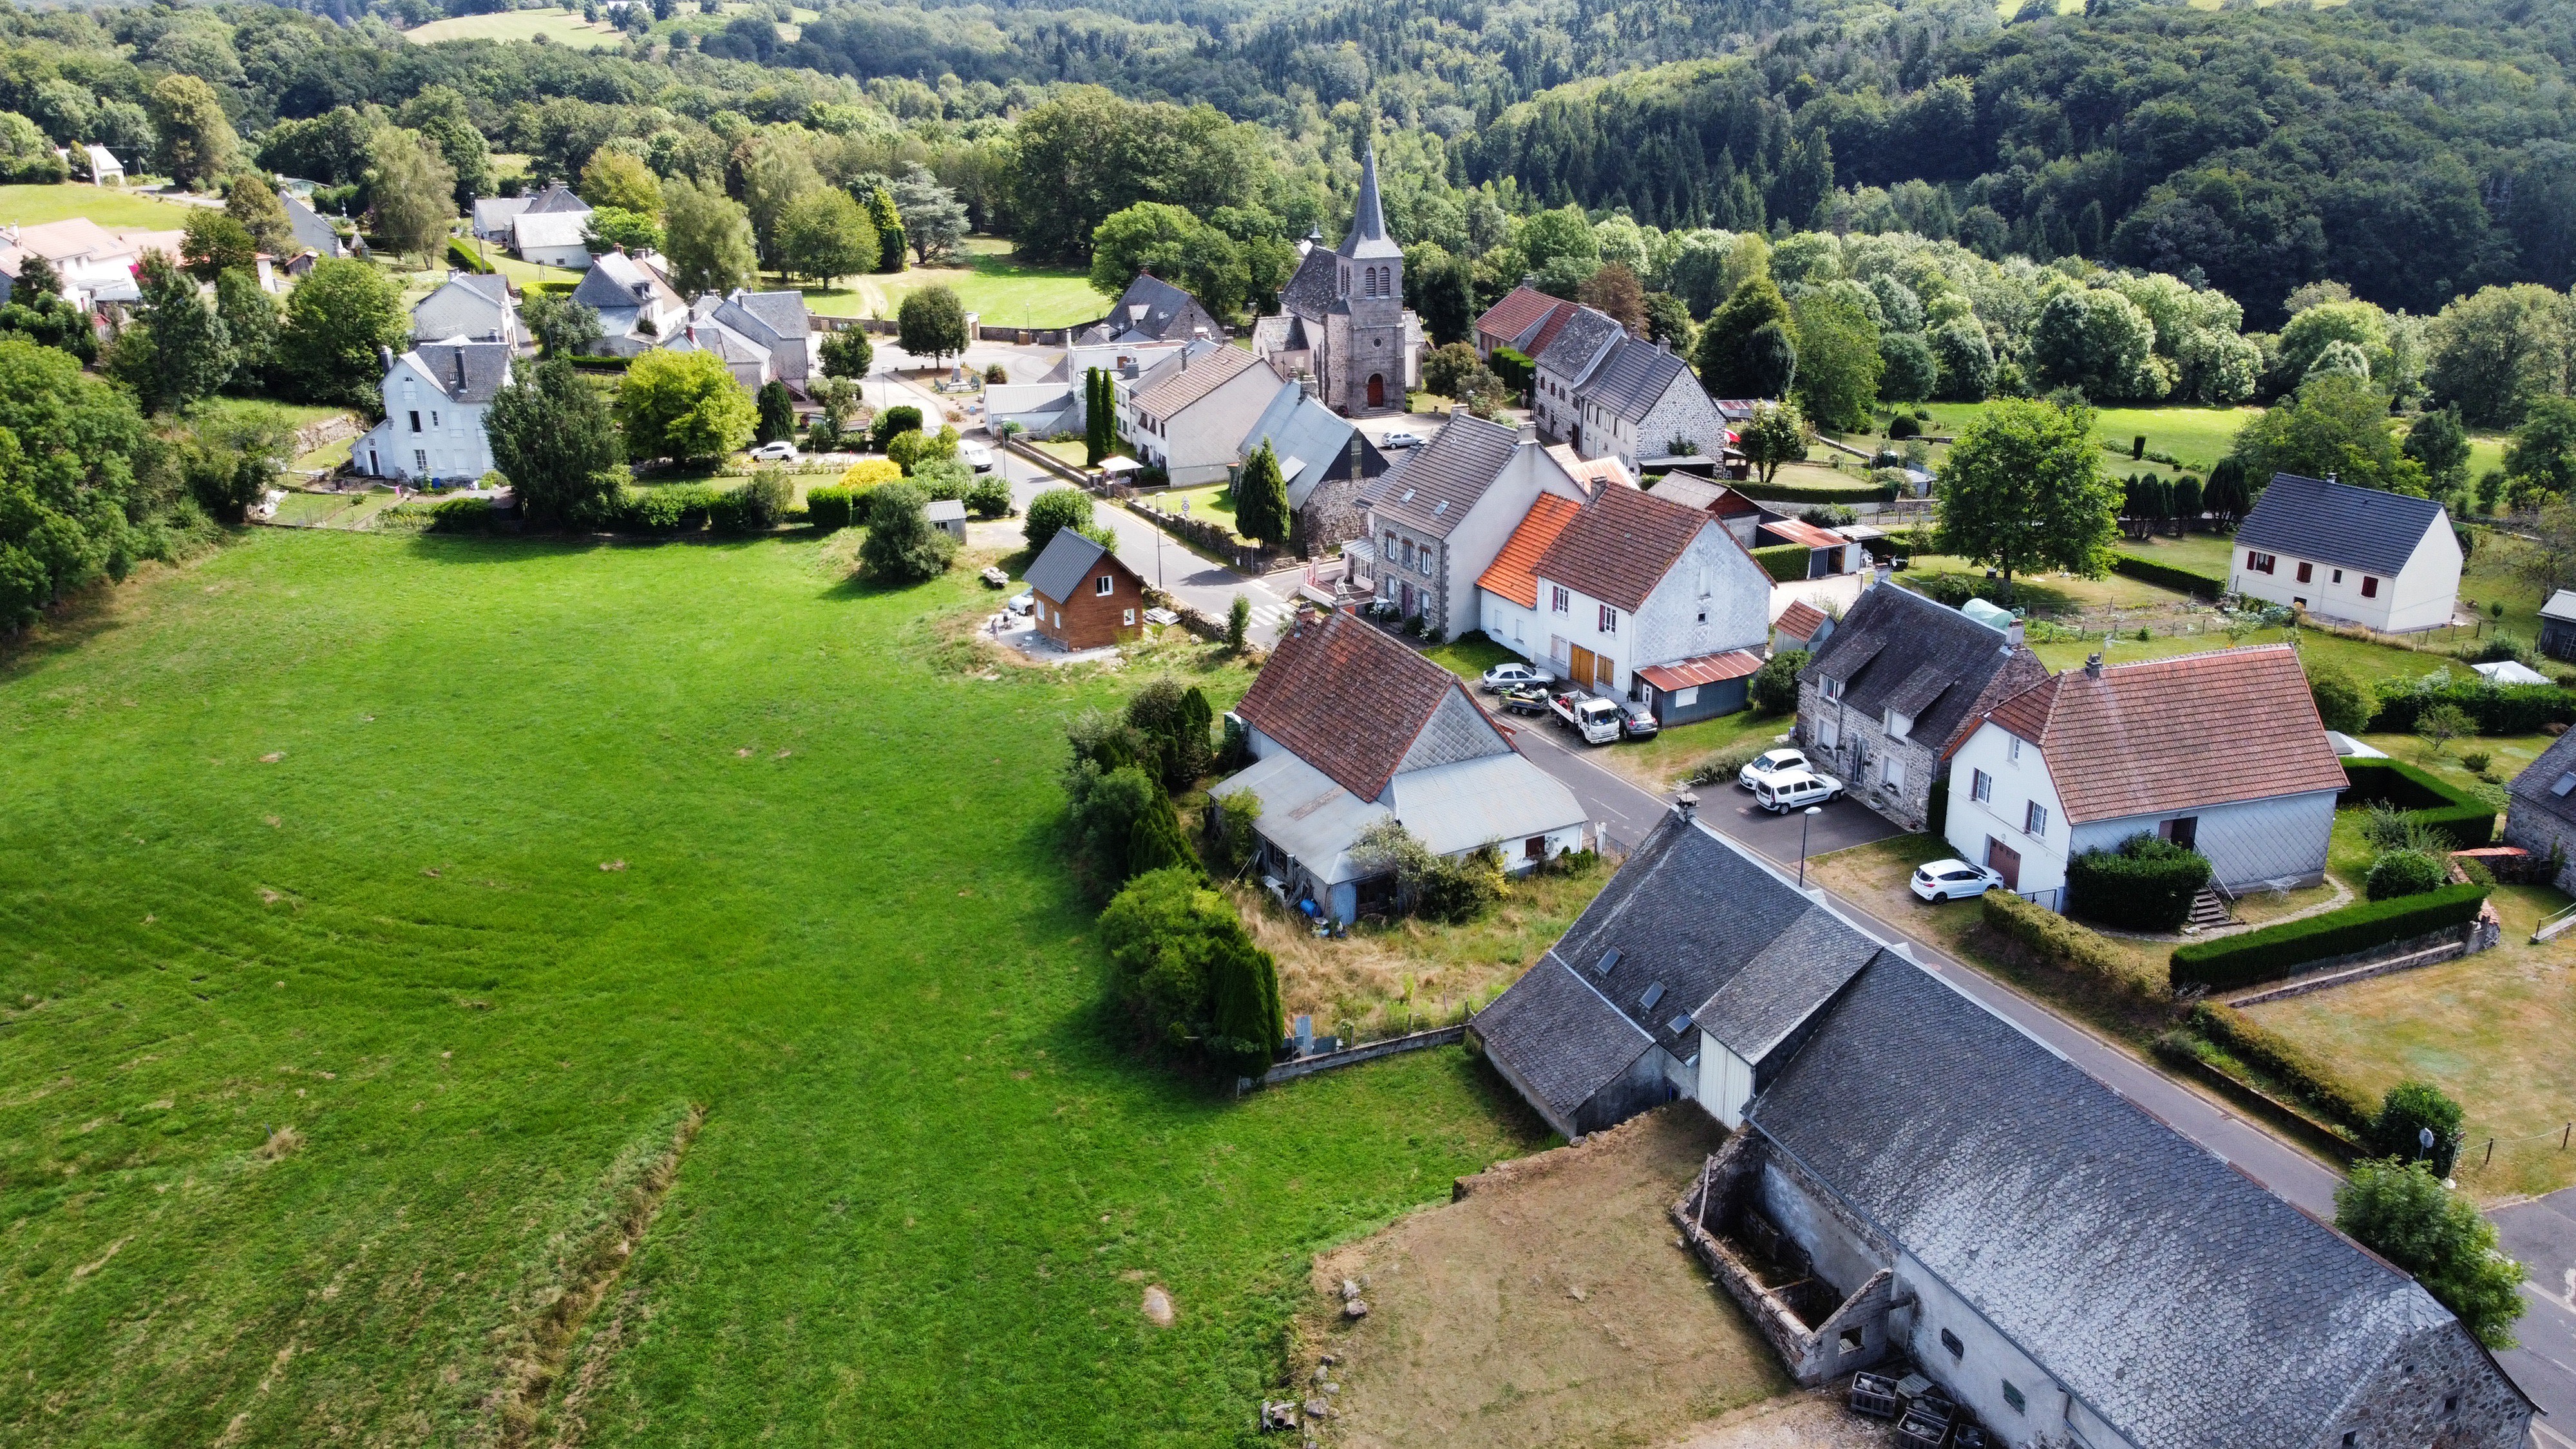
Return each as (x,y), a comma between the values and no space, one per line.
(1899,725)
(1833,689)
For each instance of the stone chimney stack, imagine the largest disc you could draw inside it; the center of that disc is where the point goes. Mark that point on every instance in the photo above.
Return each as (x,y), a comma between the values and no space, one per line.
(2093,666)
(2014,632)
(1686,806)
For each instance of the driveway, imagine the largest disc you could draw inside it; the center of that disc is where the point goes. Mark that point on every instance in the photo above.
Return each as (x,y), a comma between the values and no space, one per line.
(2542,1234)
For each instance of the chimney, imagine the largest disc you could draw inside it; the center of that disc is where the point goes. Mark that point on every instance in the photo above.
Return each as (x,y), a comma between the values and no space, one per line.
(2330,476)
(1529,432)
(385,357)
(1530,280)
(1686,807)
(2014,632)
(1457,411)
(2093,666)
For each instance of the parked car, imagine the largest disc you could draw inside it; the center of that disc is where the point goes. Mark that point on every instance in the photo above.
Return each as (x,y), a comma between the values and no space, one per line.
(1952,880)
(781,451)
(975,456)
(1022,602)
(1770,766)
(1400,438)
(1638,719)
(1504,676)
(1795,790)
(1594,718)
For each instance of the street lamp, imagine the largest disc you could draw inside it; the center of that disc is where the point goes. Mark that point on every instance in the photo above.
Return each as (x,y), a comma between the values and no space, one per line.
(1808,818)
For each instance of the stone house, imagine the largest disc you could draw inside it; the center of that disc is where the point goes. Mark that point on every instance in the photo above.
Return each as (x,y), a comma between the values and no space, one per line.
(2085,759)
(1342,320)
(1438,518)
(1326,463)
(1570,356)
(2540,810)
(1893,686)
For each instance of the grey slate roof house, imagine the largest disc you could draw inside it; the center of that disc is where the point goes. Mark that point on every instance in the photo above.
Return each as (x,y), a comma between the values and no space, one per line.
(1693,974)
(1325,462)
(1438,518)
(1892,687)
(469,305)
(1152,310)
(1342,320)
(638,310)
(311,231)
(2070,1268)
(2558,625)
(435,398)
(2358,554)
(1642,402)
(773,322)
(2540,809)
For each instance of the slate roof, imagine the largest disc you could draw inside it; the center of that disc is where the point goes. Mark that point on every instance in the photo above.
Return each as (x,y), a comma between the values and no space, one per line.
(2133,741)
(1311,440)
(1063,564)
(2337,523)
(1439,483)
(1314,287)
(1367,238)
(1705,493)
(1702,669)
(556,197)
(2561,607)
(492,214)
(1579,342)
(2537,785)
(1522,308)
(1347,699)
(1560,1036)
(1513,572)
(2183,1303)
(549,229)
(782,313)
(1735,948)
(1800,620)
(1621,545)
(469,372)
(309,227)
(1168,310)
(1890,633)
(1176,382)
(1633,378)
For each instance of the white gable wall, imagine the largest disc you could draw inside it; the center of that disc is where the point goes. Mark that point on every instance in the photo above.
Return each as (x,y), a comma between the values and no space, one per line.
(1685,411)
(2421,596)
(2017,782)
(1714,598)
(425,434)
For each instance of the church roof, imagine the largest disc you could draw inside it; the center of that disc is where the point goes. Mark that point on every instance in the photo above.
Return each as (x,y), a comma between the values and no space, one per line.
(1312,291)
(1367,238)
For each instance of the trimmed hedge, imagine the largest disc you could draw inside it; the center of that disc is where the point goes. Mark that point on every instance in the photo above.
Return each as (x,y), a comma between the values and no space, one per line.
(1791,493)
(462,257)
(2166,576)
(2256,1045)
(832,508)
(1786,562)
(1516,370)
(2145,884)
(2468,819)
(2062,942)
(600,364)
(2283,950)
(2510,709)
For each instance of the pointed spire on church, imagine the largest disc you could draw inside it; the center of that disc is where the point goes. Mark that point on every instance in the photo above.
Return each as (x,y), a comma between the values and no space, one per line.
(1367,236)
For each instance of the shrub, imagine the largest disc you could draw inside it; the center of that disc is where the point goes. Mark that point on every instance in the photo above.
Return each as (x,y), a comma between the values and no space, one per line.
(1723,767)
(831,508)
(2167,576)
(2401,1211)
(2475,760)
(1828,515)
(1430,886)
(943,477)
(1774,689)
(1515,369)
(461,515)
(1055,510)
(2467,819)
(2507,709)
(1795,493)
(869,472)
(1104,798)
(680,507)
(1904,426)
(2405,1113)
(757,506)
(1187,972)
(2344,703)
(905,419)
(2277,951)
(2256,1045)
(462,258)
(901,546)
(2147,884)
(1238,623)
(989,496)
(1230,819)
(2404,873)
(2063,943)
(1785,563)
(1957,589)
(1171,731)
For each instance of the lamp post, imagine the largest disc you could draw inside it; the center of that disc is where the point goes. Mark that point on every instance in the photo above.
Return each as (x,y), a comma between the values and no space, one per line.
(1807,818)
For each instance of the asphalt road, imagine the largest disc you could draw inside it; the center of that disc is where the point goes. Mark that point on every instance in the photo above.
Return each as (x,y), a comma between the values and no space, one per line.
(2542,1234)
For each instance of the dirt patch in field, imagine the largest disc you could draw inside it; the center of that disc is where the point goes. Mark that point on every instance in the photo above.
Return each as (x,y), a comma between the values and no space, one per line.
(1550,1304)
(1815,1420)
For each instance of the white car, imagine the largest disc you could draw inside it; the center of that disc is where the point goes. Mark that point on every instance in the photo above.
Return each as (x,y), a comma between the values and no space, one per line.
(1954,880)
(975,456)
(1400,438)
(1770,767)
(1022,602)
(778,452)
(1512,676)
(1795,790)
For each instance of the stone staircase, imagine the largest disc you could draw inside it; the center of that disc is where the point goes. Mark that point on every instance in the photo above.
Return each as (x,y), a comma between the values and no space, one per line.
(2208,909)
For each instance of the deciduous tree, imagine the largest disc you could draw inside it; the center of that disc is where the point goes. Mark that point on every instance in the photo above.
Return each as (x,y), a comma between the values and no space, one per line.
(411,191)
(2401,1211)
(615,178)
(2023,488)
(197,143)
(212,244)
(931,323)
(2544,447)
(250,200)
(1728,363)
(708,239)
(683,406)
(336,319)
(2336,424)
(1776,433)
(827,236)
(554,437)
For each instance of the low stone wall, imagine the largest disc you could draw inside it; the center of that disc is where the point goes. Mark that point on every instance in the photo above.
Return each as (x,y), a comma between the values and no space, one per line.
(1353,1056)
(329,430)
(1718,1183)
(1048,461)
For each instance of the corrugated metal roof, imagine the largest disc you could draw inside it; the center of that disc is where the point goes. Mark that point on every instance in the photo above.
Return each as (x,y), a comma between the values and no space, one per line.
(1798,530)
(1504,798)
(1702,669)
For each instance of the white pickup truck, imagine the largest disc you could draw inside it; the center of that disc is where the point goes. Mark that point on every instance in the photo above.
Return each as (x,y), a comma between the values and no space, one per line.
(1598,720)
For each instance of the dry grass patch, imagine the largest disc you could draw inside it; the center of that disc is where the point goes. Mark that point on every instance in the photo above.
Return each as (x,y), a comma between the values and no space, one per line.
(1549,1304)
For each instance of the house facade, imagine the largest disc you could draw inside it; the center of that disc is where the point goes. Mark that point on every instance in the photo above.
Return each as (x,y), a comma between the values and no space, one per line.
(2540,810)
(773,323)
(1625,582)
(1641,402)
(436,396)
(1188,413)
(2360,555)
(1342,319)
(1326,463)
(638,308)
(1438,519)
(1347,728)
(2086,759)
(1890,689)
(472,306)
(1082,596)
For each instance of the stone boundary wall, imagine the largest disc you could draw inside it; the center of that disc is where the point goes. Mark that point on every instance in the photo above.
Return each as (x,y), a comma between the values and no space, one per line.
(2431,948)
(1353,1056)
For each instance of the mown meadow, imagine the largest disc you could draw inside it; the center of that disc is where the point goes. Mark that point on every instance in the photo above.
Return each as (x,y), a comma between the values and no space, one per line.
(383,916)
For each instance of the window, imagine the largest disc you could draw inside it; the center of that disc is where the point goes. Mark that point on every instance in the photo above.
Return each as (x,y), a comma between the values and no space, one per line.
(2261,563)
(1833,689)
(2013,1397)
(1103,584)
(1534,848)
(1899,725)
(2369,587)
(433,419)
(1685,698)
(1951,1342)
(1130,618)
(1829,732)
(2012,751)
(2338,575)
(2307,571)
(2351,1437)
(2034,820)
(1850,1340)
(1981,786)
(1891,772)
(415,420)
(1609,620)
(1559,601)
(419,461)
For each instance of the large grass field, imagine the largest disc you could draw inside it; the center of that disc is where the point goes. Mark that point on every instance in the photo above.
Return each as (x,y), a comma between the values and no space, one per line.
(563,27)
(1001,291)
(480,866)
(106,205)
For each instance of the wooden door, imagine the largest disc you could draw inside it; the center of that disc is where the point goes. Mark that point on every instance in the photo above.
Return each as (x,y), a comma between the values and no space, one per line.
(2004,861)
(1582,667)
(1605,675)
(1377,391)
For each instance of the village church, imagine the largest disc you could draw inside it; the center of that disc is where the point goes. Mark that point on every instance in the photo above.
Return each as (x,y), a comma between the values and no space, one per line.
(1342,325)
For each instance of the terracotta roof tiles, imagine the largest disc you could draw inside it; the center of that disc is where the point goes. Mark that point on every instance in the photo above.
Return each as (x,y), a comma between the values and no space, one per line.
(1621,545)
(1347,699)
(1511,574)
(1800,620)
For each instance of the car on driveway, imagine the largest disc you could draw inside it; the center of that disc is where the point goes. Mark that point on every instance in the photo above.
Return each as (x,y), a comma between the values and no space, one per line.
(975,456)
(1505,676)
(1795,790)
(1954,880)
(1400,438)
(1770,766)
(1022,602)
(778,452)
(1639,721)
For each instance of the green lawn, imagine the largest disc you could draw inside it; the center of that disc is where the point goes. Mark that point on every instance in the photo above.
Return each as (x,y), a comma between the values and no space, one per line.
(109,207)
(1003,292)
(562,27)
(479,865)
(1213,503)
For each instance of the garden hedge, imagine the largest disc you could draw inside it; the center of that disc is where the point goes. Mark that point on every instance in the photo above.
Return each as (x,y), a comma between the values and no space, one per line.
(2284,950)
(2166,576)
(2465,817)
(2256,1045)
(2061,942)
(1792,493)
(2144,884)
(2511,709)
(830,508)
(1513,367)
(1786,563)
(462,257)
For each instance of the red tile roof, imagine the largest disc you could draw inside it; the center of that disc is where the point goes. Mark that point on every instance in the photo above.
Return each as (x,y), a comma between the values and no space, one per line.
(1592,473)
(1565,312)
(1800,620)
(1510,574)
(2135,740)
(1621,545)
(1706,669)
(1512,316)
(1348,699)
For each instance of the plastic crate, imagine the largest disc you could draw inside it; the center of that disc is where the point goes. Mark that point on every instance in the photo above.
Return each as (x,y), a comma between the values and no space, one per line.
(1968,1436)
(1922,1429)
(1873,1395)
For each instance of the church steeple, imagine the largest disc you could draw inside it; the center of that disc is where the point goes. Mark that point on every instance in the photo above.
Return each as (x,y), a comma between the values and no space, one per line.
(1367,236)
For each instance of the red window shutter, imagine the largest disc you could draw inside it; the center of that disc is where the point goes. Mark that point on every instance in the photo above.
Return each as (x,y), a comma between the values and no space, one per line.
(2307,572)
(2369,587)
(2249,559)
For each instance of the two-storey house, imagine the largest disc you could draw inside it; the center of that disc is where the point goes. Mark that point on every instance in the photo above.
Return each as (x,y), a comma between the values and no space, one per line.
(1438,518)
(2361,555)
(1187,414)
(435,398)
(468,305)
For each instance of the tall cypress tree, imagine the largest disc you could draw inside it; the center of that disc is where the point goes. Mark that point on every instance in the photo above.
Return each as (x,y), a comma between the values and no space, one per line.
(1261,499)
(1091,419)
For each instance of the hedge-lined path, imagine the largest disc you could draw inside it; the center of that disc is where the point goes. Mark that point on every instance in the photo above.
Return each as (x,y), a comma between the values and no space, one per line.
(2342,897)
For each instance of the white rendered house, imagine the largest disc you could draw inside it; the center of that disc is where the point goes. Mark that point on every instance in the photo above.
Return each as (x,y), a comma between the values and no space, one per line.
(2360,555)
(436,396)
